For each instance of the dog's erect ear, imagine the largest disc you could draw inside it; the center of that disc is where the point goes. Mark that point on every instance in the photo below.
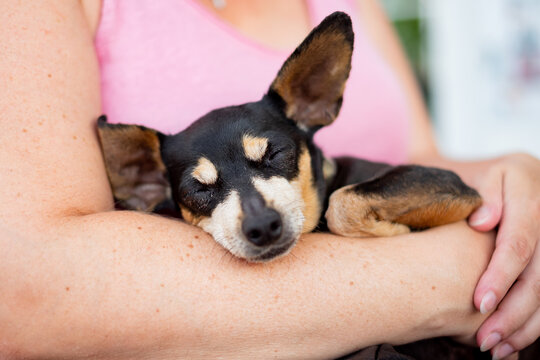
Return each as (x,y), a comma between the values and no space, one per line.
(136,172)
(312,80)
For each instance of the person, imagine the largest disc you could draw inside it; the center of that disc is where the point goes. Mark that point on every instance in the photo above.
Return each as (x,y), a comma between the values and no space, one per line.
(80,280)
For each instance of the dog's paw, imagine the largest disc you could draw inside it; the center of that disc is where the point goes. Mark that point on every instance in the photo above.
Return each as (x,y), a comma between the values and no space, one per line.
(349,214)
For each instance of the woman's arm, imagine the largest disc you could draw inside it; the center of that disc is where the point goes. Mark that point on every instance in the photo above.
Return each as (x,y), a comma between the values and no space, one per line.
(79,280)
(510,187)
(128,284)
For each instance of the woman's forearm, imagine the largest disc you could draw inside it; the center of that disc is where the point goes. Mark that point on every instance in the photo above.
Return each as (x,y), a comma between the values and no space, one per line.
(129,284)
(76,281)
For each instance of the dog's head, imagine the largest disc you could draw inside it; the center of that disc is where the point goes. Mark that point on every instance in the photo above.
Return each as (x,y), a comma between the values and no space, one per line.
(249,175)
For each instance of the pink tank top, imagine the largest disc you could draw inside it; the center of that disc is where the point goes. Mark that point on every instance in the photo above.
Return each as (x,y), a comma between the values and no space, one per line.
(166,63)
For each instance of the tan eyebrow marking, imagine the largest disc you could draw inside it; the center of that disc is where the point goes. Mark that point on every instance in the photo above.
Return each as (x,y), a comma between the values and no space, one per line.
(254,147)
(205,172)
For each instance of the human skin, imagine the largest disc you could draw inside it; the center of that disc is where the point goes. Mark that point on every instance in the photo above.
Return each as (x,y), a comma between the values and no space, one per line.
(79,280)
(132,285)
(510,187)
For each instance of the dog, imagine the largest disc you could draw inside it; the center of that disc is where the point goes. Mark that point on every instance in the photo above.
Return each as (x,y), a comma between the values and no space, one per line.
(252,177)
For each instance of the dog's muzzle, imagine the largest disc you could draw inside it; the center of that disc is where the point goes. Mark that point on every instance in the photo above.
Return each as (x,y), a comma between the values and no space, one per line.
(262,225)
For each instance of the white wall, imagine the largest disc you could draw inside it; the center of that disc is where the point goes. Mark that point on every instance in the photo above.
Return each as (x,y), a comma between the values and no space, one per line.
(484,60)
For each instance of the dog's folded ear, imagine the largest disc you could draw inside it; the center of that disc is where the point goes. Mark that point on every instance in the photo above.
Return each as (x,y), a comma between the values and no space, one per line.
(136,171)
(312,80)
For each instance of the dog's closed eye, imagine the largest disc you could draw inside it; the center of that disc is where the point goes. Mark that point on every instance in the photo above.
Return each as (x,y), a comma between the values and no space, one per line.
(203,191)
(280,156)
(197,197)
(276,154)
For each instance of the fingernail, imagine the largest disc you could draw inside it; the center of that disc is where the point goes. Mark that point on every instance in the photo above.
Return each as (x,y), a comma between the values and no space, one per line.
(493,339)
(480,216)
(503,351)
(488,302)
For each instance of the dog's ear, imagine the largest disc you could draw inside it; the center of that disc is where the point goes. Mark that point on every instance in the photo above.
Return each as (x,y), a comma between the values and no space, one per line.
(311,81)
(136,171)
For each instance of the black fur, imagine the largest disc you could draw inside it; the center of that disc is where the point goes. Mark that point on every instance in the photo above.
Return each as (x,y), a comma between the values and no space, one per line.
(305,75)
(218,137)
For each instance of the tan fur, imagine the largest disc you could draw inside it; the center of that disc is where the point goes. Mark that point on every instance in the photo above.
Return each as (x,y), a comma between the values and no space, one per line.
(254,147)
(312,203)
(124,148)
(205,172)
(350,214)
(289,83)
(444,211)
(189,216)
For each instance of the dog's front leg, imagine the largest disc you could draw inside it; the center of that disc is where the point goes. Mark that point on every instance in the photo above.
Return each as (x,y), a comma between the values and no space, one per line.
(399,199)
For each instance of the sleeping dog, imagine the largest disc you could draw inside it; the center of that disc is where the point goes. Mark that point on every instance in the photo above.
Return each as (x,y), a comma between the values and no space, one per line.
(252,177)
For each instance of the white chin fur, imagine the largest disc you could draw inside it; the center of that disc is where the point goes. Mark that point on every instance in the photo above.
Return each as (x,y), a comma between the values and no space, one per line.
(286,198)
(225,223)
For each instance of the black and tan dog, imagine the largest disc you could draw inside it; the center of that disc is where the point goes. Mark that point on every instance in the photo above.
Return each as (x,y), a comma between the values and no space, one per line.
(251,176)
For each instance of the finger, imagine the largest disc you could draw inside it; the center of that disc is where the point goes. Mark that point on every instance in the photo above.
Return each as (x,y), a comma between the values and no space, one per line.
(519,340)
(515,310)
(487,216)
(521,302)
(515,245)
(511,255)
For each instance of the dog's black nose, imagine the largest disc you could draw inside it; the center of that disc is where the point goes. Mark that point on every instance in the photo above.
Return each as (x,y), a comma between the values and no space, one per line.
(263,228)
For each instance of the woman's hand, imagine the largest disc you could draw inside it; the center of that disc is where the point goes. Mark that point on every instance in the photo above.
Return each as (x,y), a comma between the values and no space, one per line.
(511,192)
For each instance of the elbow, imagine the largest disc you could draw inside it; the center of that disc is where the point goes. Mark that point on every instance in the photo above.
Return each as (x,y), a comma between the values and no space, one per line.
(16,330)
(22,296)
(9,348)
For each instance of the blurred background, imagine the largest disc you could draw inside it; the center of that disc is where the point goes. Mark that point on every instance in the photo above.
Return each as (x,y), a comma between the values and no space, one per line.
(478,63)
